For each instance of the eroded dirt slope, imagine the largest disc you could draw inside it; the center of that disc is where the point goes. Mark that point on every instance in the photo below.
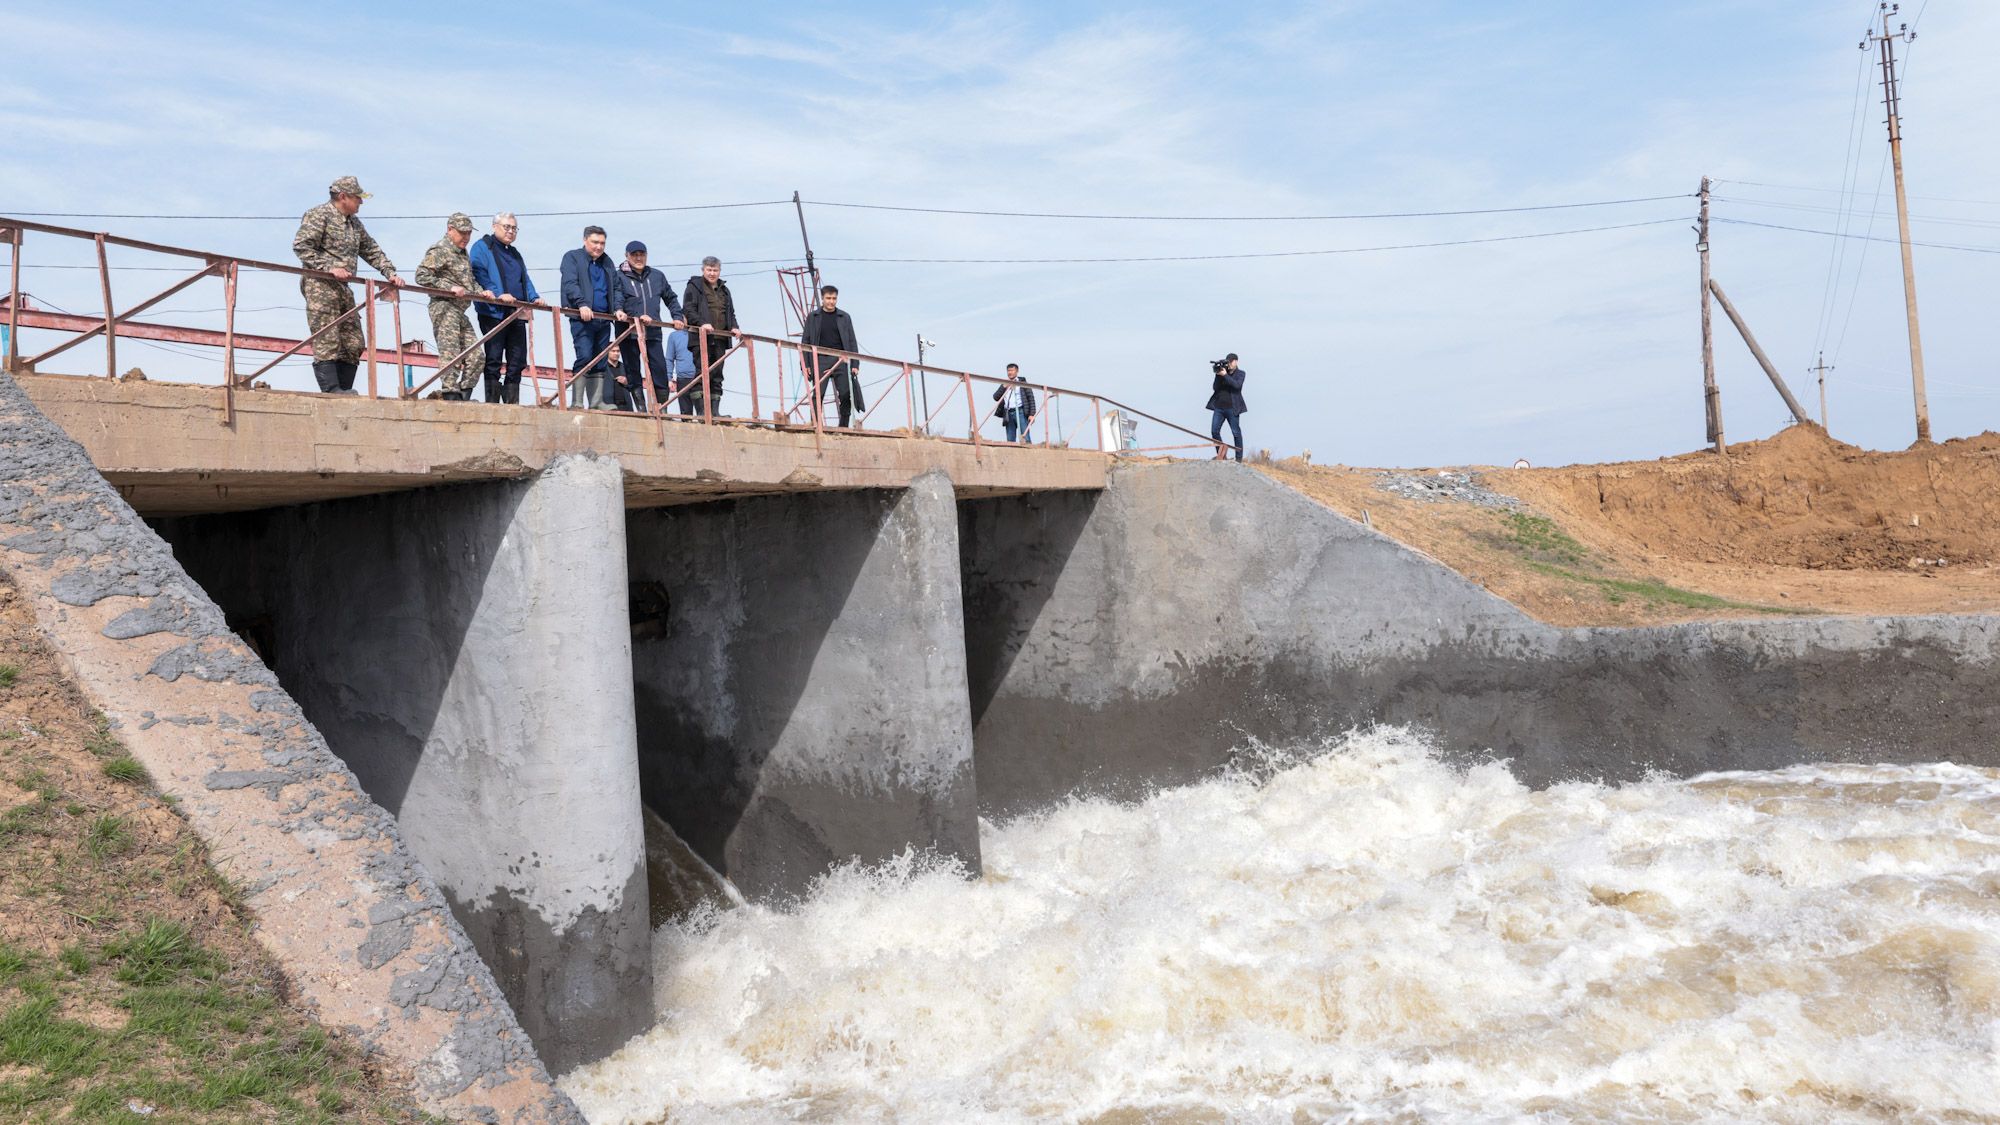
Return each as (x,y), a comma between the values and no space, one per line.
(1795,523)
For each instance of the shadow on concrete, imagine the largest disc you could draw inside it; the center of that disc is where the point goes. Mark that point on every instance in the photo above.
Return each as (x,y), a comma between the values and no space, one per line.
(751,596)
(1011,552)
(360,610)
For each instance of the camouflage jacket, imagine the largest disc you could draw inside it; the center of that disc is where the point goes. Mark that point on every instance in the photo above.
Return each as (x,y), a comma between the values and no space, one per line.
(445,266)
(329,240)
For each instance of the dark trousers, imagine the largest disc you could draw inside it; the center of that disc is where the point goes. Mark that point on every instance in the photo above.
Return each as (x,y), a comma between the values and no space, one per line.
(1235,428)
(631,394)
(1017,421)
(718,346)
(839,376)
(590,341)
(506,355)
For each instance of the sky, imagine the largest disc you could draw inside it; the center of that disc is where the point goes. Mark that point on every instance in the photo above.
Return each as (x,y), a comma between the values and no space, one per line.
(1579,344)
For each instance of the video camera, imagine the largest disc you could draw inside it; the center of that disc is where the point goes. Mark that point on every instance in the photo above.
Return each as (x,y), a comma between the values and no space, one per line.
(1218,365)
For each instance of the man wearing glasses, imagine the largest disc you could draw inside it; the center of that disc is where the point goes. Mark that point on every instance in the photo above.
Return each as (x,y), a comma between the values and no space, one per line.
(499,269)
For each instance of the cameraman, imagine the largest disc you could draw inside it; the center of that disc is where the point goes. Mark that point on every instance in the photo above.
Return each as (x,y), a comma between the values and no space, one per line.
(1225,400)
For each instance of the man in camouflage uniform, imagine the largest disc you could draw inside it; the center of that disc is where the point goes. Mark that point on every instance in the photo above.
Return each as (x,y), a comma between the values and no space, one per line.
(329,239)
(446,266)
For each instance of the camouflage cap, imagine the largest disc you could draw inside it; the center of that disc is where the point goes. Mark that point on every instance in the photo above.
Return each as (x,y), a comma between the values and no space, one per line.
(347,185)
(459,221)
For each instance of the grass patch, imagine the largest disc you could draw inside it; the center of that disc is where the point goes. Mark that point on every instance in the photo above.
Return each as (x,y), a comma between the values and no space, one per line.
(1539,536)
(1655,593)
(101,743)
(11,961)
(106,837)
(8,674)
(162,953)
(125,768)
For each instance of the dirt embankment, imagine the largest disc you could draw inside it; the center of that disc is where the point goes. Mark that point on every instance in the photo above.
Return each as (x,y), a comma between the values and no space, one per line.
(131,987)
(1795,523)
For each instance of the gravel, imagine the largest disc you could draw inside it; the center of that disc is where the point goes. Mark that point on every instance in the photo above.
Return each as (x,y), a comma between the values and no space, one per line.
(1444,485)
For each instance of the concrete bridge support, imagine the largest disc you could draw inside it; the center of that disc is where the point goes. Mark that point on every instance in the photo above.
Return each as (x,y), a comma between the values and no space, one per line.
(466,651)
(801,680)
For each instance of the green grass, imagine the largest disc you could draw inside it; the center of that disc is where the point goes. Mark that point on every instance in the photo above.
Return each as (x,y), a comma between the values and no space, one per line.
(107,836)
(8,674)
(100,742)
(1539,535)
(162,953)
(1655,593)
(125,768)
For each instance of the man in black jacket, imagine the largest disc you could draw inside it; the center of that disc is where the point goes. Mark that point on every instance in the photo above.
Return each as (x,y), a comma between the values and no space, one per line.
(641,290)
(1225,401)
(707,303)
(1017,405)
(828,326)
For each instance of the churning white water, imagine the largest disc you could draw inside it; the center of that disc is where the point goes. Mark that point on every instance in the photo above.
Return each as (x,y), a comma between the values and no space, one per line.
(1368,934)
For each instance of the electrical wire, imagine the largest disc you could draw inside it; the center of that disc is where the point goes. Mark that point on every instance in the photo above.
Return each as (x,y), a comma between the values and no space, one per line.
(1863,237)
(1262,254)
(1242,218)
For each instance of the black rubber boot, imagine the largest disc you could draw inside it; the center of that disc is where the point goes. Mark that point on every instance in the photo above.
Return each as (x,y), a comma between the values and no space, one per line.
(328,374)
(347,372)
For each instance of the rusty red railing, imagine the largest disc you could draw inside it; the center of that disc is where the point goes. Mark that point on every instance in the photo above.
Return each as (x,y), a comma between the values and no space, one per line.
(803,407)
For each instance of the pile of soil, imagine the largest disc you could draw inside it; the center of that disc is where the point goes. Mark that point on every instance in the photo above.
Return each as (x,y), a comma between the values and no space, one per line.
(1795,523)
(1799,499)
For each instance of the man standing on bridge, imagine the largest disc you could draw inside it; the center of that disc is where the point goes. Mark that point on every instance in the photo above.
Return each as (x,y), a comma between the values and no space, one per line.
(329,239)
(499,268)
(446,266)
(829,326)
(707,302)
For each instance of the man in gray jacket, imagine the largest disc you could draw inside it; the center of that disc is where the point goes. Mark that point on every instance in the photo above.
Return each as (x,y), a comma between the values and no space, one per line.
(829,326)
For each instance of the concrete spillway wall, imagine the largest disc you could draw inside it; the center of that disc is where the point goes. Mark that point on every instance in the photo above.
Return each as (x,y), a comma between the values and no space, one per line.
(1144,635)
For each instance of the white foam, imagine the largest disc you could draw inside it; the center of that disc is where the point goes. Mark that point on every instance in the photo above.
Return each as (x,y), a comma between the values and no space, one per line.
(1369,934)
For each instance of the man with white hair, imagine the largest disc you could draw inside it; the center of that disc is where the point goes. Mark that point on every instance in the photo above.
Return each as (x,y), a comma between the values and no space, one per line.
(499,269)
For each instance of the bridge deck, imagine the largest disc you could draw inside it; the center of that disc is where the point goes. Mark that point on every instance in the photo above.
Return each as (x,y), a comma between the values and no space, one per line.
(168,450)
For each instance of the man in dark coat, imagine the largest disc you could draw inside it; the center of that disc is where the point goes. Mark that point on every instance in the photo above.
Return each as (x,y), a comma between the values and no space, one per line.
(829,326)
(1225,401)
(1017,405)
(641,291)
(590,286)
(707,302)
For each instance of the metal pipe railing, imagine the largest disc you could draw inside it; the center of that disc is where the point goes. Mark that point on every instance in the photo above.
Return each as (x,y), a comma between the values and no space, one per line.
(809,357)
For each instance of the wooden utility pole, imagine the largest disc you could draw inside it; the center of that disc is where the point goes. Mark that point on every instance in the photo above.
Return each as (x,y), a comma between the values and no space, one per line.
(1820,370)
(1757,350)
(1886,40)
(1711,398)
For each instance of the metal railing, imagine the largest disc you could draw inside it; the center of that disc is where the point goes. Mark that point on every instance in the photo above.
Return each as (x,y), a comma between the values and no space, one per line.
(796,397)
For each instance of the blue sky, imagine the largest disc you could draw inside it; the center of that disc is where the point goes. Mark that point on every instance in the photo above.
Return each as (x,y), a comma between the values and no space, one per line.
(1578,347)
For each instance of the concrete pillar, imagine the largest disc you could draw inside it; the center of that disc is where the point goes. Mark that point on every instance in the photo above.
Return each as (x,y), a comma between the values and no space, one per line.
(466,651)
(800,666)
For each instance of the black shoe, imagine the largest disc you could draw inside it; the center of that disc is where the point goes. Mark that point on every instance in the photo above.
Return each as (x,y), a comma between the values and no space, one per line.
(328,374)
(347,372)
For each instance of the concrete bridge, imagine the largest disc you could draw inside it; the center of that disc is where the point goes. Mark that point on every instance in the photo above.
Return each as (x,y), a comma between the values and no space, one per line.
(529,632)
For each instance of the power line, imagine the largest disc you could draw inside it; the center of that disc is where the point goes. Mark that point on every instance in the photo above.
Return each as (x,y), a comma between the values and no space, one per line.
(1264,254)
(1861,237)
(1243,218)
(910,209)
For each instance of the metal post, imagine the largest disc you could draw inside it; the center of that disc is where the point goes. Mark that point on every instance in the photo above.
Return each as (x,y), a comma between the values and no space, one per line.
(909,399)
(396,325)
(750,352)
(229,344)
(1892,101)
(110,316)
(14,301)
(368,293)
(1710,396)
(562,368)
(971,413)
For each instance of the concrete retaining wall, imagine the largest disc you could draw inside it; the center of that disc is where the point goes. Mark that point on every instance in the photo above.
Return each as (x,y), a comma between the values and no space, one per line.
(466,651)
(357,926)
(801,680)
(1142,636)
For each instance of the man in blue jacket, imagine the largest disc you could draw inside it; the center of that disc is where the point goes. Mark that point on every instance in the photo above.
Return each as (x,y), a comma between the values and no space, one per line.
(498,268)
(641,291)
(590,286)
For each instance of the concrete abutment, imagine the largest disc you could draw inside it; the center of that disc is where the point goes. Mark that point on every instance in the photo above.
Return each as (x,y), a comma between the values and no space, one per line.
(466,652)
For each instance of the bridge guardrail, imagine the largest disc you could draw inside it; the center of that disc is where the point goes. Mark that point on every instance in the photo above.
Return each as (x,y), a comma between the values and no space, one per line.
(799,408)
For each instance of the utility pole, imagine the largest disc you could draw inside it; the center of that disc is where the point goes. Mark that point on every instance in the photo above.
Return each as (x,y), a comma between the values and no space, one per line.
(1711,397)
(812,269)
(924,383)
(1886,40)
(1820,370)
